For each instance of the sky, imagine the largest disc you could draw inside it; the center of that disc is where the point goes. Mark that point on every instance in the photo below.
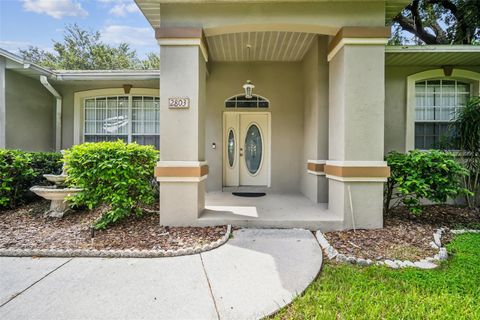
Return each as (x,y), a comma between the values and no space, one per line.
(26,23)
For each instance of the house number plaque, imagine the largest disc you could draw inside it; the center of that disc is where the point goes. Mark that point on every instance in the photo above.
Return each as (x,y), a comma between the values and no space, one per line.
(178,103)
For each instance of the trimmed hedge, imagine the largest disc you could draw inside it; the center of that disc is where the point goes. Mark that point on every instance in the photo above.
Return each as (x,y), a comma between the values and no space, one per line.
(20,170)
(433,175)
(116,174)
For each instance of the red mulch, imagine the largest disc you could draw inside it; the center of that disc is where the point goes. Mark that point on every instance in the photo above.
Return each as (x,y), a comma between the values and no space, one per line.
(25,227)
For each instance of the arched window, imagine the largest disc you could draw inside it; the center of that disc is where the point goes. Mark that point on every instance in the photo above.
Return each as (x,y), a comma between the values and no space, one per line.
(433,100)
(437,103)
(241,101)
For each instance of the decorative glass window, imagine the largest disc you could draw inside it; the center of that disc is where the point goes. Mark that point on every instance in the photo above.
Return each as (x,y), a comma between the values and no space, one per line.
(231,148)
(437,104)
(253,149)
(241,101)
(107,119)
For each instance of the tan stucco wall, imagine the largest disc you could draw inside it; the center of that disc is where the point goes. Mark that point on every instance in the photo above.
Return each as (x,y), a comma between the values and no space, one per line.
(396,103)
(356,101)
(68,89)
(29,114)
(282,84)
(315,131)
(330,15)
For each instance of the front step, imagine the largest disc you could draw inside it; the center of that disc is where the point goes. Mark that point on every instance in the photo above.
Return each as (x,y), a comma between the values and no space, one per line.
(214,218)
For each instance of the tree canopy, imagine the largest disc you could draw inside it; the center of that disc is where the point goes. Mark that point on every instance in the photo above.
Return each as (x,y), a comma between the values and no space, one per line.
(83,50)
(438,22)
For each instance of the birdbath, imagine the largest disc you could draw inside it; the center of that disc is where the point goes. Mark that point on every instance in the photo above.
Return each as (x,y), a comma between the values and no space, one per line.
(57,193)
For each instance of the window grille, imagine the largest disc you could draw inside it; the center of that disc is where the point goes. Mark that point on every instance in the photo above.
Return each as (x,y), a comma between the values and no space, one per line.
(129,118)
(241,101)
(437,104)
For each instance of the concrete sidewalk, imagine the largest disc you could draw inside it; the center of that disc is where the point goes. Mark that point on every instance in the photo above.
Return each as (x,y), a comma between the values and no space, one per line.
(253,275)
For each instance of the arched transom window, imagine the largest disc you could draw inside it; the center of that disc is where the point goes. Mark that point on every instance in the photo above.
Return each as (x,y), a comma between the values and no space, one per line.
(437,104)
(241,101)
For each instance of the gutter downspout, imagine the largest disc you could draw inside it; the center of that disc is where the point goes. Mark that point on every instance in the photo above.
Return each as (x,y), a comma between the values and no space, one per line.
(58,112)
(3,111)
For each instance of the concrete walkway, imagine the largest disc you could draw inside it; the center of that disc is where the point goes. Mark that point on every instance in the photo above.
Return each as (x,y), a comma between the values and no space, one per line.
(253,275)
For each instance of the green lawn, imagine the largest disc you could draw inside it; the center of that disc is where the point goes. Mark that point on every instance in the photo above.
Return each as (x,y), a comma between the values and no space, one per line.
(349,292)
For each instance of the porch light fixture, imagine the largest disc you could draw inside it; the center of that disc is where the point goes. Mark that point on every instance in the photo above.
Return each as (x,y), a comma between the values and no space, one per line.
(248,87)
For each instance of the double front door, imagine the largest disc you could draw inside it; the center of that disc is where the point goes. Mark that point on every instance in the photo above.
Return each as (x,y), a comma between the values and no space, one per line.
(246,158)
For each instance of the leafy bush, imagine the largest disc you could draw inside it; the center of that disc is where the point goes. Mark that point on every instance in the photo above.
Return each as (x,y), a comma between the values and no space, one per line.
(21,170)
(433,175)
(112,173)
(467,128)
(45,163)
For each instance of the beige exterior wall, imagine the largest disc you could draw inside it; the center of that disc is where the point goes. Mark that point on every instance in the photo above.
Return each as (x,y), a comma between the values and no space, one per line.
(324,17)
(396,103)
(29,114)
(315,130)
(356,125)
(356,101)
(282,84)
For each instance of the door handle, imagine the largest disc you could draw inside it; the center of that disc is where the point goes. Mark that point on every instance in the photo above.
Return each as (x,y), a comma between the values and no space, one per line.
(241,152)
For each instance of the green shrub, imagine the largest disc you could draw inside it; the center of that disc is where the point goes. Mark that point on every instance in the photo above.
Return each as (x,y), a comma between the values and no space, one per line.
(45,163)
(433,175)
(112,173)
(21,170)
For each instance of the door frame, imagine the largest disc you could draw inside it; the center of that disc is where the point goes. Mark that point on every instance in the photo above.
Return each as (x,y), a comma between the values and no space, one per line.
(268,138)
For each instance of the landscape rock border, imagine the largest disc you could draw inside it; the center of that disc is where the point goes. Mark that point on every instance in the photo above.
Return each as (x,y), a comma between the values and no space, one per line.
(427,263)
(116,253)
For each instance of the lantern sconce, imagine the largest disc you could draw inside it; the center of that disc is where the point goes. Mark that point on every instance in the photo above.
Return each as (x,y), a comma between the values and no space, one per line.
(248,87)
(127,88)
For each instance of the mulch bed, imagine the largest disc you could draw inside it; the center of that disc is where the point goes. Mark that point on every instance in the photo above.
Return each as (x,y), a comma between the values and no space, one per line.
(404,236)
(26,228)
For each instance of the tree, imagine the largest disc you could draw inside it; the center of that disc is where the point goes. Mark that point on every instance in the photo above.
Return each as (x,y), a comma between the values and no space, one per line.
(439,22)
(467,128)
(151,62)
(84,50)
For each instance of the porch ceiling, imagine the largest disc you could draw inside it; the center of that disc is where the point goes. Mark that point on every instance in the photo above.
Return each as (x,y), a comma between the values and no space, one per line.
(265,46)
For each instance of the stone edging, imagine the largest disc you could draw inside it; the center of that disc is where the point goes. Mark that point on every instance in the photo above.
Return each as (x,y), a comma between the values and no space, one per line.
(427,263)
(115,253)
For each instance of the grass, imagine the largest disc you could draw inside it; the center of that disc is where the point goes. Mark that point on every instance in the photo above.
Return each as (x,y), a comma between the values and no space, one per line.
(348,292)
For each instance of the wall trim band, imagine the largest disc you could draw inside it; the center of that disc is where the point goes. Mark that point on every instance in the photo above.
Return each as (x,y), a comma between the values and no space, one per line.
(357,36)
(357,172)
(316,167)
(183,37)
(171,172)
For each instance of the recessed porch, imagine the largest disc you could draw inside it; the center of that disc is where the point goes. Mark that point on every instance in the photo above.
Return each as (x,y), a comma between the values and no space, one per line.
(270,211)
(314,119)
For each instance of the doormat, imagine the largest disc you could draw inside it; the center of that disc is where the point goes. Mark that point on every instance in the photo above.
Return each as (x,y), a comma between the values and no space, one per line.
(249,194)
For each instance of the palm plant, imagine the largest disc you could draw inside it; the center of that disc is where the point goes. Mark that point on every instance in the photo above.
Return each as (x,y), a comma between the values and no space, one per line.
(467,127)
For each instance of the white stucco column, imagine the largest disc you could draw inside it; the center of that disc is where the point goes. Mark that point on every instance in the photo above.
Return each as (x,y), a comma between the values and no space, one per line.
(182,170)
(356,170)
(3,114)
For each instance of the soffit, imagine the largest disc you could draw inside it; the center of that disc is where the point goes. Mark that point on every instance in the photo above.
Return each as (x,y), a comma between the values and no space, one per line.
(265,46)
(432,56)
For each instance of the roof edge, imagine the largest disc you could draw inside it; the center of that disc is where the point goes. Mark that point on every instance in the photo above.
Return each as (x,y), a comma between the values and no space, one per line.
(432,48)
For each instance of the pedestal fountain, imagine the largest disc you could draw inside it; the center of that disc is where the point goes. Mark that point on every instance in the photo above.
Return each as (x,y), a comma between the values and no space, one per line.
(57,193)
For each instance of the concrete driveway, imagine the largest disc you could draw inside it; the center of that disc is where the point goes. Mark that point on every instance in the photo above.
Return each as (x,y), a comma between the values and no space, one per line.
(254,274)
